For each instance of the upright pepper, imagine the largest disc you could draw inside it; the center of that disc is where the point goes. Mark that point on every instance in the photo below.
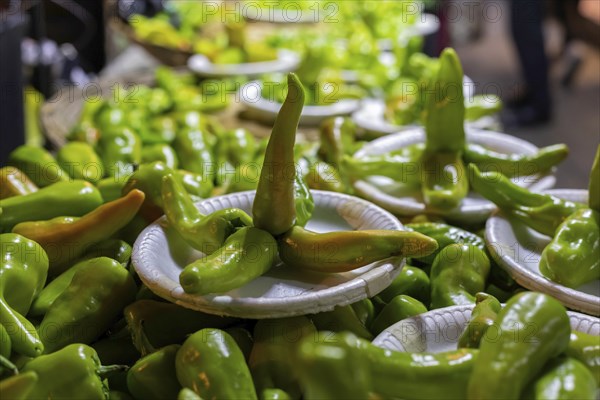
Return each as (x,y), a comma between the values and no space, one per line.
(458,273)
(246,254)
(515,164)
(80,161)
(64,198)
(212,365)
(153,377)
(412,282)
(38,164)
(483,316)
(206,233)
(586,348)
(274,208)
(84,380)
(66,238)
(348,250)
(444,182)
(24,265)
(399,308)
(272,357)
(154,324)
(95,297)
(563,378)
(13,182)
(530,330)
(541,212)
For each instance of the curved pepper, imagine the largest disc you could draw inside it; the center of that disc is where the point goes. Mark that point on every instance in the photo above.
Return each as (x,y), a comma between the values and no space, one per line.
(541,212)
(337,139)
(563,378)
(272,357)
(154,324)
(84,380)
(530,330)
(206,233)
(120,150)
(594,185)
(13,182)
(38,164)
(18,387)
(483,316)
(80,161)
(64,198)
(160,152)
(212,365)
(95,297)
(444,180)
(399,308)
(340,319)
(572,257)
(274,209)
(348,250)
(586,348)
(515,164)
(457,274)
(412,282)
(245,255)
(66,238)
(23,271)
(153,376)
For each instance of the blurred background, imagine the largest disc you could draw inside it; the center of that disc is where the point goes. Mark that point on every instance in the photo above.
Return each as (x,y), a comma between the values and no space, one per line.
(540,57)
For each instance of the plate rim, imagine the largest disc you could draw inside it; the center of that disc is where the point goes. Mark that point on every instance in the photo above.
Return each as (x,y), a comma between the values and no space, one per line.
(366,285)
(570,297)
(287,60)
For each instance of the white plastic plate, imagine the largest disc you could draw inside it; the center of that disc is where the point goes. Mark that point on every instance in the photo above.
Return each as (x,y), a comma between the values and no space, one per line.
(518,249)
(286,61)
(266,110)
(438,330)
(474,208)
(159,255)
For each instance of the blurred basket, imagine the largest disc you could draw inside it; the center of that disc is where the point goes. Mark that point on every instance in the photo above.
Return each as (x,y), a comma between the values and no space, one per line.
(168,56)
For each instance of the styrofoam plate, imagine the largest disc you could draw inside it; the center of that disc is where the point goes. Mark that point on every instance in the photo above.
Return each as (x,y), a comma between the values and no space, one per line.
(159,255)
(474,208)
(438,330)
(286,61)
(518,249)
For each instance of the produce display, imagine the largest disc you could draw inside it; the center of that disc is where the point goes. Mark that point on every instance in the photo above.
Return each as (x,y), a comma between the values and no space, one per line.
(76,320)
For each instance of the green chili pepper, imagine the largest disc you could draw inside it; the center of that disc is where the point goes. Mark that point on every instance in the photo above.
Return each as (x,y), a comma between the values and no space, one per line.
(95,297)
(84,379)
(572,257)
(330,371)
(235,147)
(212,365)
(530,330)
(5,343)
(243,338)
(563,378)
(13,182)
(337,139)
(586,348)
(194,184)
(80,161)
(66,238)
(594,185)
(348,250)
(246,254)
(274,394)
(303,201)
(274,207)
(206,233)
(38,164)
(194,152)
(120,150)
(272,357)
(323,176)
(541,212)
(24,265)
(86,129)
(19,387)
(96,255)
(444,181)
(340,319)
(188,394)
(483,316)
(154,324)
(111,188)
(399,308)
(457,274)
(482,105)
(161,129)
(365,311)
(160,152)
(412,282)
(515,164)
(64,198)
(153,377)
